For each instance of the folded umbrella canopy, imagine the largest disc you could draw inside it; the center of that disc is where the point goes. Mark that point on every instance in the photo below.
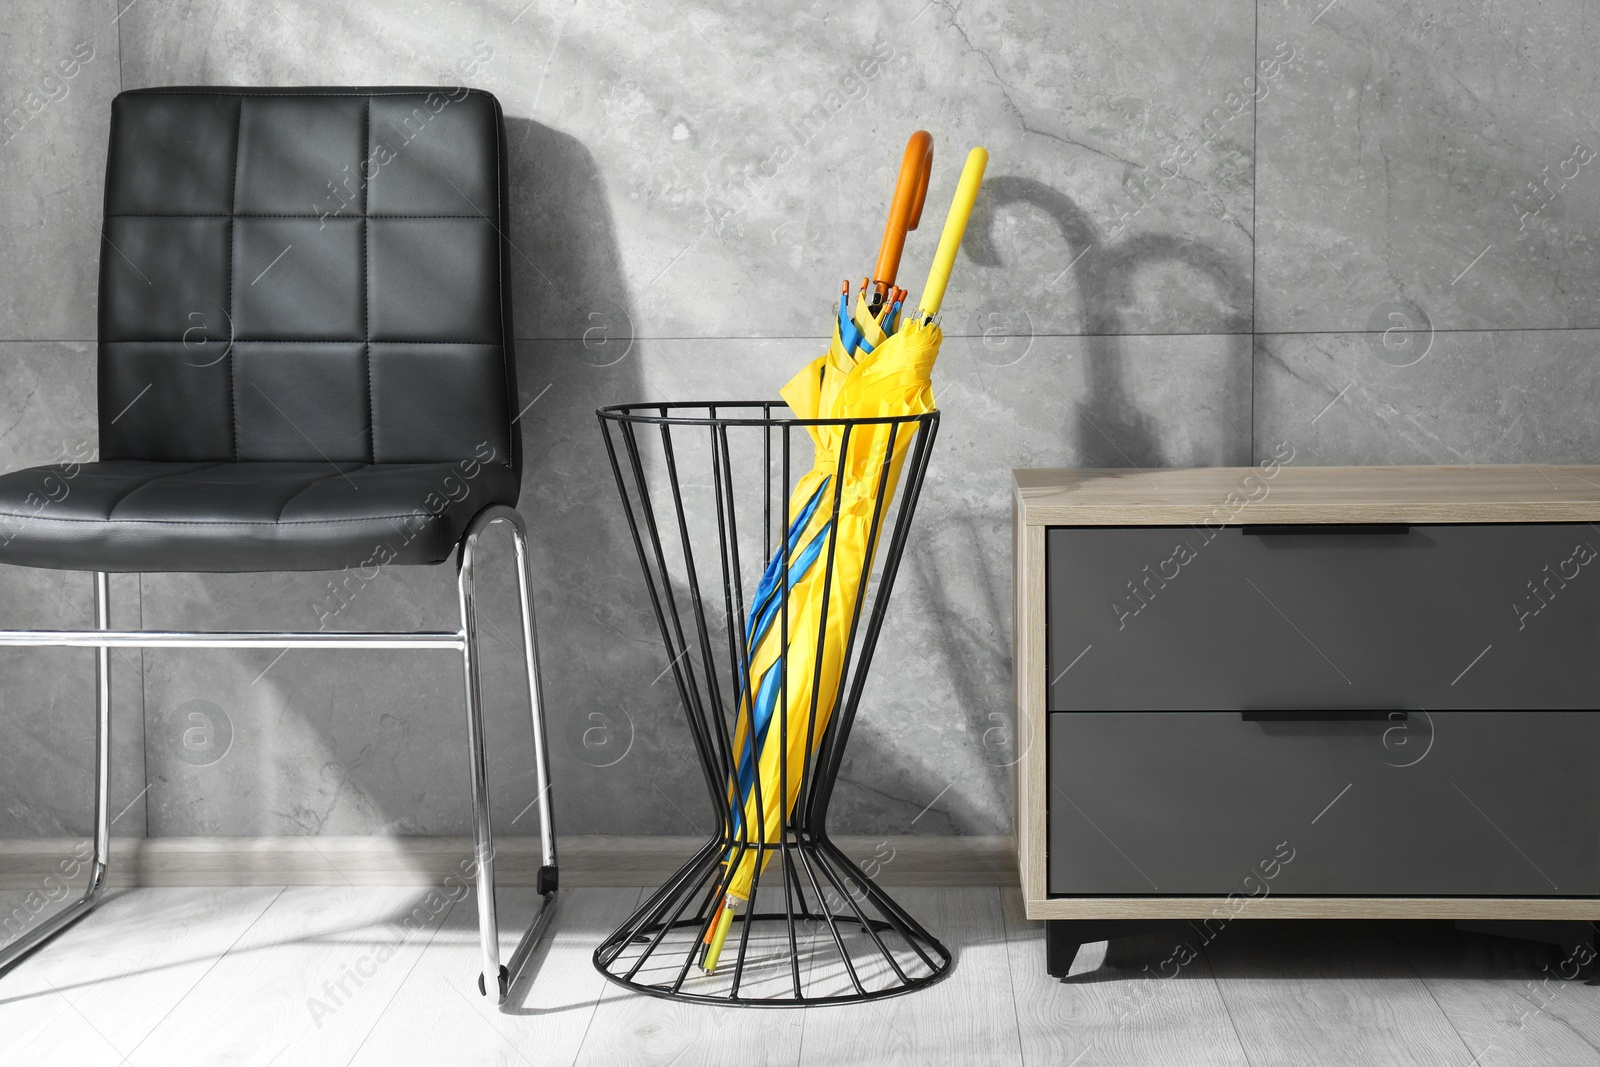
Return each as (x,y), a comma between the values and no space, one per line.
(803,615)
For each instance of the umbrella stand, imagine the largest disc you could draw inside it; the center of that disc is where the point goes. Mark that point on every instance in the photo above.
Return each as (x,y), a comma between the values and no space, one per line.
(707,492)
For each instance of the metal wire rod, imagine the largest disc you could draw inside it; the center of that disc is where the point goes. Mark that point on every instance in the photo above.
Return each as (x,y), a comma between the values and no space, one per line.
(229,639)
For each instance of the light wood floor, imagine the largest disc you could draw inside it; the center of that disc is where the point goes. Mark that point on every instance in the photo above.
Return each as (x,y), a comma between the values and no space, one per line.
(174,977)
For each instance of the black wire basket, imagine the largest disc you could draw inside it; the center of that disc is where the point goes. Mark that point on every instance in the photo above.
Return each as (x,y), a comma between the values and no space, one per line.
(707,493)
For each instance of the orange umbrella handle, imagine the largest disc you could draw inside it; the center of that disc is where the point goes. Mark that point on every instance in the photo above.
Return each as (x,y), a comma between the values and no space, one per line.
(910,190)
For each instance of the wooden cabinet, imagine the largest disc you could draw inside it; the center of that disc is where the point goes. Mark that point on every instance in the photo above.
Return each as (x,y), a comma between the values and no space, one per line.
(1307,692)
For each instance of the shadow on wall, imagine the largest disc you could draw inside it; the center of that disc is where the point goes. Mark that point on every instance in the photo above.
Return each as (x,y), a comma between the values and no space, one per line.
(1105,273)
(612,733)
(961,620)
(408,775)
(622,755)
(565,266)
(351,745)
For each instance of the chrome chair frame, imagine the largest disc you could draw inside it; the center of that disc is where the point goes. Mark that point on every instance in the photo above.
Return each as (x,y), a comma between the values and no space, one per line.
(465,640)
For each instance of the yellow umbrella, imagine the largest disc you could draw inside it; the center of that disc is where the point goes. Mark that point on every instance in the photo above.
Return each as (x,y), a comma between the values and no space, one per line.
(835,504)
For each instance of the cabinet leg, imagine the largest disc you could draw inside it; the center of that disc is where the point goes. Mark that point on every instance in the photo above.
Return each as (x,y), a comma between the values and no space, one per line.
(1061,944)
(1063,938)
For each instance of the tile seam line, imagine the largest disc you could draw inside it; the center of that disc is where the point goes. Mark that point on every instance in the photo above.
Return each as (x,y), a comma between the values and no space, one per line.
(1011,975)
(200,980)
(404,981)
(1037,335)
(818,337)
(1255,224)
(1405,956)
(605,987)
(1227,1008)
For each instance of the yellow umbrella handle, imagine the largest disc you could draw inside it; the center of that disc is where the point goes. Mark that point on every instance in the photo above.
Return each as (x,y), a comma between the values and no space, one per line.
(955,225)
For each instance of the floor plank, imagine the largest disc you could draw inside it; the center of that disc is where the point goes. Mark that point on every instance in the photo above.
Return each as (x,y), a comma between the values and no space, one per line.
(969,1017)
(307,982)
(1329,993)
(251,976)
(116,973)
(1512,1001)
(1139,1002)
(438,1016)
(22,909)
(54,1033)
(632,1028)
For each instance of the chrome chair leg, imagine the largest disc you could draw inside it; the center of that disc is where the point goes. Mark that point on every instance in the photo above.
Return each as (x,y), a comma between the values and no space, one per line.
(482,839)
(549,879)
(19,949)
(465,641)
(483,843)
(102,735)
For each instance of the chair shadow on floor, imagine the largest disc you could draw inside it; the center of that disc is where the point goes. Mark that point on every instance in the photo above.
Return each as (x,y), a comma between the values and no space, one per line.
(59,968)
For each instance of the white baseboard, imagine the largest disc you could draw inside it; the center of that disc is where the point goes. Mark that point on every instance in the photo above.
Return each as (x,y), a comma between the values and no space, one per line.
(27,863)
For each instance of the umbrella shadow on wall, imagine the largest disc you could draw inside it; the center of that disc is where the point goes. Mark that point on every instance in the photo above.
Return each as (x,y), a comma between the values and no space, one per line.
(1112,429)
(963,628)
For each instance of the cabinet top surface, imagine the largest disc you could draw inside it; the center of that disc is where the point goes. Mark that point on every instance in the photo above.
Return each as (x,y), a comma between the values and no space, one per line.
(1283,493)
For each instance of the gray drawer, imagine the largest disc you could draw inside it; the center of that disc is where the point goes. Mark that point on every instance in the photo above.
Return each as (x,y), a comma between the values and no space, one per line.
(1463,803)
(1437,617)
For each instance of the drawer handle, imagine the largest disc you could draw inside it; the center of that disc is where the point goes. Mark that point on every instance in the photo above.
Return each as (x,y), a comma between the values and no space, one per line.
(1324,529)
(1325,715)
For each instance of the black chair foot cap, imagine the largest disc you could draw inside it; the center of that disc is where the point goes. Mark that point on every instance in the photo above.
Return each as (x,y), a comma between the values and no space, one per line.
(483,989)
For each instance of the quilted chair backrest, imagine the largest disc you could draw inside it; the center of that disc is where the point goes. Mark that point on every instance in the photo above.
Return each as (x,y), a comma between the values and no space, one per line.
(306,274)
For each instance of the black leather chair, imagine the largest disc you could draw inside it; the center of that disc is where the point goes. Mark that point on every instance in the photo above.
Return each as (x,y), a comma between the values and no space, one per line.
(305,363)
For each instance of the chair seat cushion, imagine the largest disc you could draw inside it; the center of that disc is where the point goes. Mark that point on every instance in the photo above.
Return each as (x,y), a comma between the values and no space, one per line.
(136,515)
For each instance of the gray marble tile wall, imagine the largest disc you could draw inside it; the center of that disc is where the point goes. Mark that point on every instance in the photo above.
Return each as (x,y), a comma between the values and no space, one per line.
(1209,226)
